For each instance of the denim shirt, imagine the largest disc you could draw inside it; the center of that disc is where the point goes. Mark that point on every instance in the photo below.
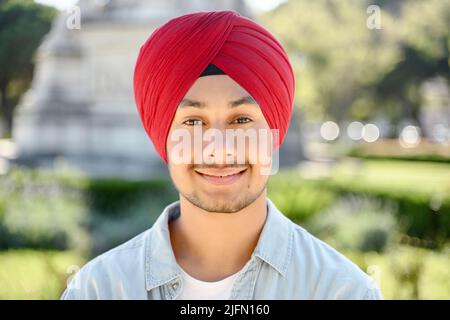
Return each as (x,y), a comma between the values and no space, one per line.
(287,263)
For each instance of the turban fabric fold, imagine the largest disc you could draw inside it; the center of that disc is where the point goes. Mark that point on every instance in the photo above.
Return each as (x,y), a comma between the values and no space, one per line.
(177,53)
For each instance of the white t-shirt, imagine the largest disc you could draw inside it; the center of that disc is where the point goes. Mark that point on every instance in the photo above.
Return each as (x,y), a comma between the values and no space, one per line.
(194,289)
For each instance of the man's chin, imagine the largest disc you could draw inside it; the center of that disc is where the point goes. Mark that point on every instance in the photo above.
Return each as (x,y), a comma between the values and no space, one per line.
(218,204)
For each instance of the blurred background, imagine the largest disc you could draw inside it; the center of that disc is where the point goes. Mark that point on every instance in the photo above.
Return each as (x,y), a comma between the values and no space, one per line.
(365,165)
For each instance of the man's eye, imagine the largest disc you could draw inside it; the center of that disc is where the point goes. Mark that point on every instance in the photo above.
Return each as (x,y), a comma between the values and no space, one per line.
(193,122)
(241,120)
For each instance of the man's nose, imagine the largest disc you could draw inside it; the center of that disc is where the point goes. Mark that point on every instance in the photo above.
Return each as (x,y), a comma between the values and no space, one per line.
(223,151)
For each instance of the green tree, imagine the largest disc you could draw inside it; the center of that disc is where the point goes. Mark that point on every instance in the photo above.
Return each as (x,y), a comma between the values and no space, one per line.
(347,70)
(424,38)
(337,57)
(23,23)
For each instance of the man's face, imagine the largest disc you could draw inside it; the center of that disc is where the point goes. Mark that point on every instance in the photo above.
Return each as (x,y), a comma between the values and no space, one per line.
(219,177)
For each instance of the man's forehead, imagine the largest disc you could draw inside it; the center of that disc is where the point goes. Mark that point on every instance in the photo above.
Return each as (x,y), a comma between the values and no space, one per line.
(215,84)
(217,89)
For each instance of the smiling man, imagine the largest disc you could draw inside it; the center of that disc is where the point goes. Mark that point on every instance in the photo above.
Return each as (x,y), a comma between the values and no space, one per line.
(215,91)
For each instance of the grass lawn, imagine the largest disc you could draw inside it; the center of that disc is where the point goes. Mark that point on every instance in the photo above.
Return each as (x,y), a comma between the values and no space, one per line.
(415,176)
(35,274)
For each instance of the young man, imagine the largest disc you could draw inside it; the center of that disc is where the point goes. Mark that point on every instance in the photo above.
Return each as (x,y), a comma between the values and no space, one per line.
(223,239)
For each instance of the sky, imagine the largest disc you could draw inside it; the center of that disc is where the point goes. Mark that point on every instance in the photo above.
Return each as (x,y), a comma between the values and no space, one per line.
(258,5)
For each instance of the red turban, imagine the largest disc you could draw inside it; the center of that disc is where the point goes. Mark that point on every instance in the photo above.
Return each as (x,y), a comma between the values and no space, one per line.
(176,53)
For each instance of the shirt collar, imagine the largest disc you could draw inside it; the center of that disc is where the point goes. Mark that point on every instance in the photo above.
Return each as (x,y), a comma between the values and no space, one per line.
(274,245)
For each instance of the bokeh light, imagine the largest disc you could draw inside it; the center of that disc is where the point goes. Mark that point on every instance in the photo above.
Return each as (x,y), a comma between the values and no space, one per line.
(329,130)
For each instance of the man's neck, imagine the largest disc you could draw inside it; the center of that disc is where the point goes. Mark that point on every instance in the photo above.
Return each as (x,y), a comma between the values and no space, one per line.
(211,246)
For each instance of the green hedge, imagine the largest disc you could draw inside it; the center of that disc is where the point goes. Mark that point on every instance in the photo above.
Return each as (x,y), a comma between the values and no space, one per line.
(42,209)
(297,198)
(419,192)
(420,219)
(406,272)
(112,197)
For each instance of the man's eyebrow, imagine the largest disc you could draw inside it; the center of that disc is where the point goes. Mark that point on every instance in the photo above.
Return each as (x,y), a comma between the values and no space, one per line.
(232,104)
(243,100)
(191,103)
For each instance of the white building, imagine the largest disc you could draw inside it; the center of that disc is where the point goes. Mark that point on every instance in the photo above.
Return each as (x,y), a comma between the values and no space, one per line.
(80,108)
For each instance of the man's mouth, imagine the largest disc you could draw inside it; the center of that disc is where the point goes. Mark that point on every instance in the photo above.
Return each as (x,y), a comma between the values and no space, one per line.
(223,176)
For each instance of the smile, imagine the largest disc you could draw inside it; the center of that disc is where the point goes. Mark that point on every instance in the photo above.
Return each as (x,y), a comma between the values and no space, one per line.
(217,177)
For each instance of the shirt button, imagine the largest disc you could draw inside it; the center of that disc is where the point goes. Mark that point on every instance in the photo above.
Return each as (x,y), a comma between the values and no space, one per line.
(175,285)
